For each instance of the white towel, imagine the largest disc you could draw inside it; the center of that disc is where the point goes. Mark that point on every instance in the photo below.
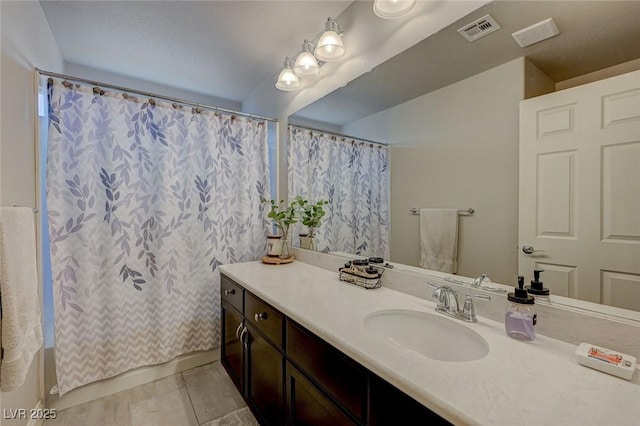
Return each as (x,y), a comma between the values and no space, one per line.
(20,329)
(439,239)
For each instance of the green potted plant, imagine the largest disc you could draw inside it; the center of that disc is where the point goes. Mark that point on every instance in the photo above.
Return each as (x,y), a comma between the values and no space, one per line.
(311,215)
(283,218)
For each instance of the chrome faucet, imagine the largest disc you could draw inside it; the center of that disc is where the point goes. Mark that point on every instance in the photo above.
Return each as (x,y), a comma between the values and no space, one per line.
(447,300)
(448,303)
(478,281)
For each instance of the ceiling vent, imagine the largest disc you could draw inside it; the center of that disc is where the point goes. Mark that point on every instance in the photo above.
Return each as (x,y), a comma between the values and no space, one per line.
(536,32)
(479,28)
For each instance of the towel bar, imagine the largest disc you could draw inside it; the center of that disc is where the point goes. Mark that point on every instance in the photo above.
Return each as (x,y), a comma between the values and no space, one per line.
(466,211)
(33,209)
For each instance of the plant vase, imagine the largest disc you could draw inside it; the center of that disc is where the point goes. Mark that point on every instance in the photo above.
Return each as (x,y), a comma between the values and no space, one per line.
(274,245)
(312,238)
(284,252)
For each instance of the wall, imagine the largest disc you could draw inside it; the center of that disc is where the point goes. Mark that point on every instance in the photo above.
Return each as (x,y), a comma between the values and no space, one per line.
(612,71)
(27,42)
(107,77)
(457,147)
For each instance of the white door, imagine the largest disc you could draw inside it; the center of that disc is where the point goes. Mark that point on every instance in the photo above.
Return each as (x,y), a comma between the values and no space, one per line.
(580,191)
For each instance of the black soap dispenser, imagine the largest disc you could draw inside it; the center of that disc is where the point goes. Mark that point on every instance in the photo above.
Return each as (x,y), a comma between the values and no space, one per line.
(537,287)
(521,317)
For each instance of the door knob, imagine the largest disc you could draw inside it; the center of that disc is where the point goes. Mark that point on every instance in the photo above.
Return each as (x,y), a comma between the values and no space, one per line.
(261,316)
(527,249)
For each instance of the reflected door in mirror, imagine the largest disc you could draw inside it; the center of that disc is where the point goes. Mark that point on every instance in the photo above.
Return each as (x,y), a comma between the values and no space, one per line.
(580,190)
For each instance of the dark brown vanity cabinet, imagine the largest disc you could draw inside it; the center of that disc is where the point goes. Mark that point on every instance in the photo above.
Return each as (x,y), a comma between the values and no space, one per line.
(308,405)
(232,354)
(251,351)
(390,406)
(265,375)
(338,376)
(232,349)
(289,376)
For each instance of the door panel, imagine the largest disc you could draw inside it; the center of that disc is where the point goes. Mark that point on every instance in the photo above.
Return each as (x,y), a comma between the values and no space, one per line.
(231,349)
(620,289)
(621,202)
(308,406)
(580,190)
(559,279)
(556,194)
(265,376)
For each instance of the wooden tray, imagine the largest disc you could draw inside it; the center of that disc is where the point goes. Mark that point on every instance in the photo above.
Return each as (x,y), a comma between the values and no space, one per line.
(276,260)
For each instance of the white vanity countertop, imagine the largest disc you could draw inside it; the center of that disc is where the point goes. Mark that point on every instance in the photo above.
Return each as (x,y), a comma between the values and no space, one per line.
(517,383)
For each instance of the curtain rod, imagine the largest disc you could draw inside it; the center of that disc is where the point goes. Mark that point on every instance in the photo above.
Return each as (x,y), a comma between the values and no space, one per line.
(151,95)
(339,135)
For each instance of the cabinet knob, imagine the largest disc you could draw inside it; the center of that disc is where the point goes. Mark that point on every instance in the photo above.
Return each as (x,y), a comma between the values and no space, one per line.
(229,292)
(261,316)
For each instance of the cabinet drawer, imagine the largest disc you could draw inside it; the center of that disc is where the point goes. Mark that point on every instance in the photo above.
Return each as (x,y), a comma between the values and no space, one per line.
(231,293)
(340,376)
(265,318)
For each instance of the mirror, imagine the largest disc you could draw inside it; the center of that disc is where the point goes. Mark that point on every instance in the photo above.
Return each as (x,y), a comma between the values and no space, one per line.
(452,117)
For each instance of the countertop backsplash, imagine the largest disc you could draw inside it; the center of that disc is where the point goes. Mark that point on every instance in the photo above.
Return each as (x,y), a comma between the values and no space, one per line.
(566,324)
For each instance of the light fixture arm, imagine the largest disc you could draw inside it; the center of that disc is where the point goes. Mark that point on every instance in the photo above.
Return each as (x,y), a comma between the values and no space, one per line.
(288,62)
(307,46)
(332,25)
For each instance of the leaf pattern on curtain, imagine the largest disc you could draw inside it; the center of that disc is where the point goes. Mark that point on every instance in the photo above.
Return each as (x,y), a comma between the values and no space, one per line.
(145,200)
(354,177)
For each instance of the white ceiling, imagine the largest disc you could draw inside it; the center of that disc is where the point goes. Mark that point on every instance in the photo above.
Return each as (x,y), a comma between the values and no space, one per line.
(224,49)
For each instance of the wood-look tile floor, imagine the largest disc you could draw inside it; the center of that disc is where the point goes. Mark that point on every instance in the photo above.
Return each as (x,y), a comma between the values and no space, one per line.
(201,396)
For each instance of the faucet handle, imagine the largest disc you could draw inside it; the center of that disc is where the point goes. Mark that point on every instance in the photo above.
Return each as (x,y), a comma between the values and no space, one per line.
(441,292)
(482,278)
(468,311)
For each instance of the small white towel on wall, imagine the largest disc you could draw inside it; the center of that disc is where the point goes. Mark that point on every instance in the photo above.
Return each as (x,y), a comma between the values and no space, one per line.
(20,329)
(439,239)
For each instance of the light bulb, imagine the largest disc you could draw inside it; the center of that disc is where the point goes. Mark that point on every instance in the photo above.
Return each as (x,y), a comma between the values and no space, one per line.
(287,80)
(330,47)
(306,64)
(392,9)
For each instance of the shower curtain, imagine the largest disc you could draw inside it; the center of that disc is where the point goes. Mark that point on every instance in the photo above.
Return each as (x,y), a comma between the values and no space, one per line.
(146,199)
(353,176)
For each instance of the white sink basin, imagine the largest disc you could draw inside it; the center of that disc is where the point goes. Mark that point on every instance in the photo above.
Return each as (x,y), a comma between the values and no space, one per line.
(430,335)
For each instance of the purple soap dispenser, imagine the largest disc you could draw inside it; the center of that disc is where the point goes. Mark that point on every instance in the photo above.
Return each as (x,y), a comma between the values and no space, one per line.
(521,317)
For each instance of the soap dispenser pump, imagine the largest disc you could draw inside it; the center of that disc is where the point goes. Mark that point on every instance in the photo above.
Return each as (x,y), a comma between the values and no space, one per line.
(537,286)
(521,317)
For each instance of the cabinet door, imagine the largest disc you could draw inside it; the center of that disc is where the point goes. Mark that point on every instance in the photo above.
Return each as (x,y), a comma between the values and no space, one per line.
(265,379)
(390,406)
(308,406)
(338,375)
(231,350)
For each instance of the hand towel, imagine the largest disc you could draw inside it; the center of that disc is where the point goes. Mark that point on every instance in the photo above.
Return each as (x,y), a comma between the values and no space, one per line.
(439,239)
(21,329)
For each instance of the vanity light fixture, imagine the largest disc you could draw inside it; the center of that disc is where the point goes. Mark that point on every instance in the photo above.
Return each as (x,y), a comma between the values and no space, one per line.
(392,9)
(287,80)
(306,64)
(330,47)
